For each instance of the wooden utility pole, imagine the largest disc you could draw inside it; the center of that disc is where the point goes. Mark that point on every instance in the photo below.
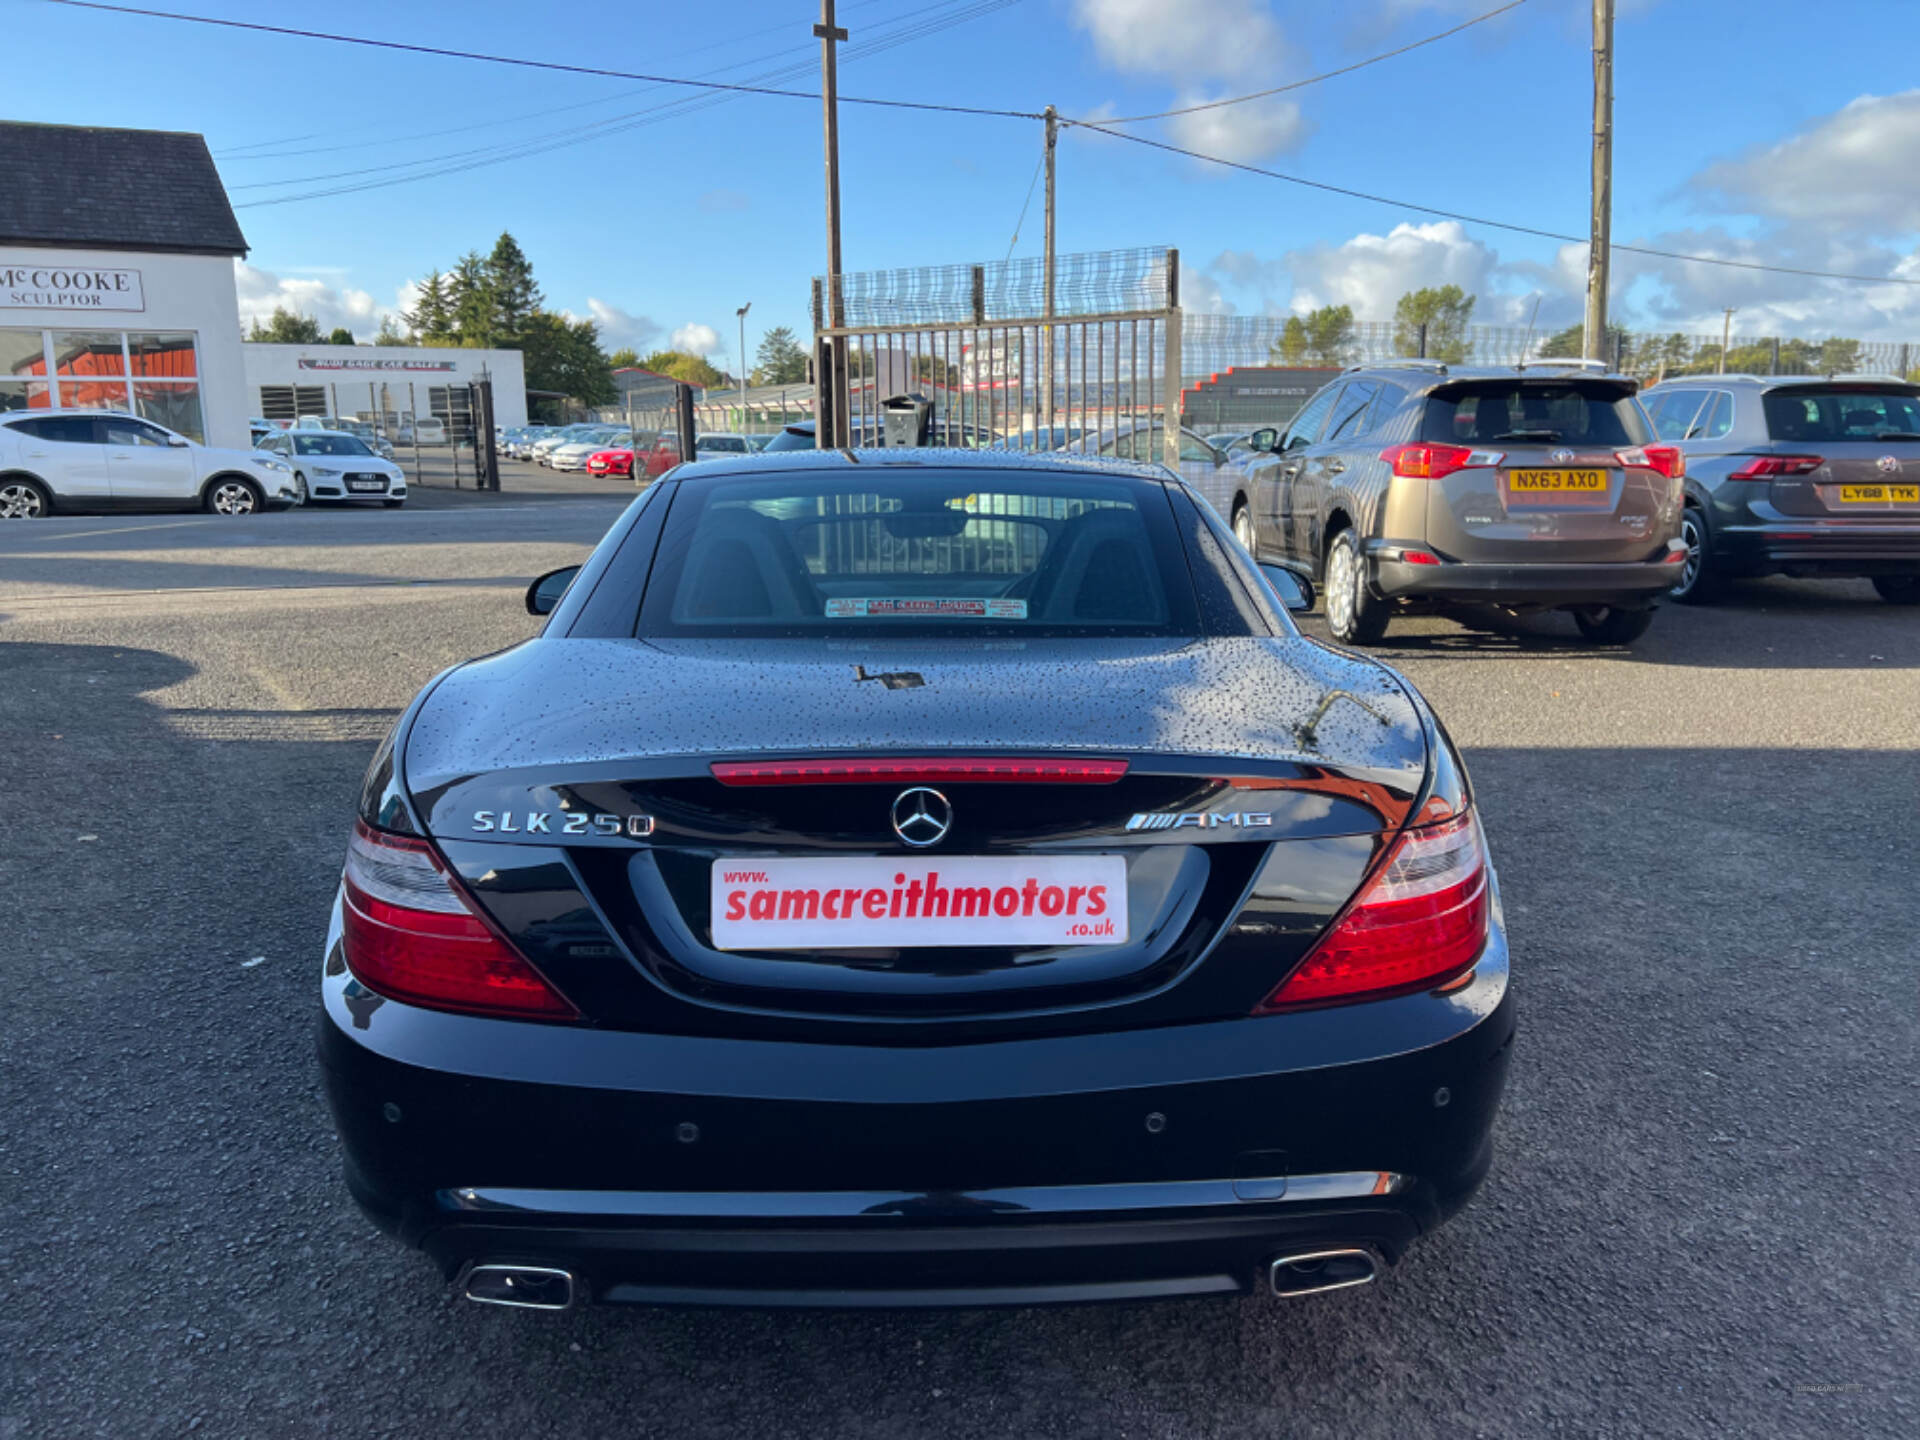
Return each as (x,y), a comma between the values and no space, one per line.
(1601,230)
(1046,303)
(830,35)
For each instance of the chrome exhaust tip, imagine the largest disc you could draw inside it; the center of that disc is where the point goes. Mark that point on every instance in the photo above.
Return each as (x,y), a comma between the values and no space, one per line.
(1316,1271)
(525,1287)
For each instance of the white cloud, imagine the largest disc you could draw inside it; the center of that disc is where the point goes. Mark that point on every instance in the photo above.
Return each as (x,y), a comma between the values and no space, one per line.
(1246,132)
(1210,49)
(697,339)
(1853,169)
(619,328)
(1371,272)
(260,291)
(1183,38)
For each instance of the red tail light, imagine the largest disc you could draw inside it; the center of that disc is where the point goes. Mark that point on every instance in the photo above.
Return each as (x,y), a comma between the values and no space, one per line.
(1428,461)
(1669,460)
(1421,920)
(410,934)
(1767,467)
(976,771)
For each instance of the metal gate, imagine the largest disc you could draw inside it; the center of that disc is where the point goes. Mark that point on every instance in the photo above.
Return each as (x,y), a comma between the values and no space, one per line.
(1090,361)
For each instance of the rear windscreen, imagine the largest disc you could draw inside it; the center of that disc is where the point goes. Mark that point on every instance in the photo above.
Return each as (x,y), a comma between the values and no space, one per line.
(919,553)
(1529,412)
(1842,413)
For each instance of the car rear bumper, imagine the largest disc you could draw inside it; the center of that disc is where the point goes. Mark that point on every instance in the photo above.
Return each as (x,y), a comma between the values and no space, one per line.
(1593,584)
(1125,1164)
(1840,548)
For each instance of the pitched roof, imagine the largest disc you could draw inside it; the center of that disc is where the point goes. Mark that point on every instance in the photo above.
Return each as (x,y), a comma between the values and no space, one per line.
(93,189)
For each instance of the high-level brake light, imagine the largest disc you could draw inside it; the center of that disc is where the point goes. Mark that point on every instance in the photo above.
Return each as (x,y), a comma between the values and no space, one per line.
(1420,921)
(1769,467)
(410,934)
(981,770)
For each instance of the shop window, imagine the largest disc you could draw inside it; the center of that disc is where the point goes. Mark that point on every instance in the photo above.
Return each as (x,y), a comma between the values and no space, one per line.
(23,353)
(172,403)
(162,356)
(92,366)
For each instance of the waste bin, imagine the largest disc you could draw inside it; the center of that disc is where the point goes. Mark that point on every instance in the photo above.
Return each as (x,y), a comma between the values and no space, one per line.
(906,420)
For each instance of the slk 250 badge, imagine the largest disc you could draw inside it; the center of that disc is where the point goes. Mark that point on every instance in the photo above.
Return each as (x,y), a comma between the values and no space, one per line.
(548,822)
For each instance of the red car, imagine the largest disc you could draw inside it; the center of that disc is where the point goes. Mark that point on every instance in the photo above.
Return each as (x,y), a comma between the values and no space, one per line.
(664,455)
(615,461)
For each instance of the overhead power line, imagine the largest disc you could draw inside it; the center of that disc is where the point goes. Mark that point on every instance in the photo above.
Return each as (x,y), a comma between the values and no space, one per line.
(1325,75)
(1506,225)
(553,65)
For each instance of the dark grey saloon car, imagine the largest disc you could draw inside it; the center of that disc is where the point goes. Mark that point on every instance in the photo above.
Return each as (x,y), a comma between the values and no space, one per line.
(1415,482)
(1795,476)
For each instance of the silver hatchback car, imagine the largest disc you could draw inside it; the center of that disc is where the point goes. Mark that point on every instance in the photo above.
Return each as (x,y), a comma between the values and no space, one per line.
(1529,487)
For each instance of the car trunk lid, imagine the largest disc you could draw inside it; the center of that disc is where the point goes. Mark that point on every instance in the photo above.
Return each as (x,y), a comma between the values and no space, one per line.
(1843,449)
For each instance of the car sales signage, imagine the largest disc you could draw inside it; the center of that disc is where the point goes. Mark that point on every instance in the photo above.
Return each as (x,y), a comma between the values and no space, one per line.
(69,287)
(343,363)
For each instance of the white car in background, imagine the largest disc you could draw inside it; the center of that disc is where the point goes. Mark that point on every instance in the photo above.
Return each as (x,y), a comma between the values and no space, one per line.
(107,459)
(424,431)
(329,465)
(573,455)
(720,443)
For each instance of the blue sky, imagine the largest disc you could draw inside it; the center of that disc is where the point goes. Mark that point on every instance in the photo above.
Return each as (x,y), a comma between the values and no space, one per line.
(1761,131)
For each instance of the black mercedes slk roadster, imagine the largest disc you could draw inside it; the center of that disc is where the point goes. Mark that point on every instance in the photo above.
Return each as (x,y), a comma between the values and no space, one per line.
(915,877)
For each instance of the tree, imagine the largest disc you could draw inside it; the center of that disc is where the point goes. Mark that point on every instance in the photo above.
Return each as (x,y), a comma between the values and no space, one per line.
(565,356)
(692,369)
(1441,313)
(625,358)
(1571,344)
(781,360)
(514,296)
(389,333)
(1320,337)
(286,327)
(470,299)
(340,336)
(431,319)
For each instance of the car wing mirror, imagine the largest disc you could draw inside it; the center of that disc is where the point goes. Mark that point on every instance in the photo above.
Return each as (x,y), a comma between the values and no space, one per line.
(1266,438)
(543,595)
(178,442)
(1294,592)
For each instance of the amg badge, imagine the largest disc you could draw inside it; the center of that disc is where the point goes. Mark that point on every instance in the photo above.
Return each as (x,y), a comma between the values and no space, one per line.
(546,822)
(1203,820)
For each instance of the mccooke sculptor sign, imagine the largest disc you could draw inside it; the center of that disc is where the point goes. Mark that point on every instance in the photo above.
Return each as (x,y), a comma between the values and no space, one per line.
(69,287)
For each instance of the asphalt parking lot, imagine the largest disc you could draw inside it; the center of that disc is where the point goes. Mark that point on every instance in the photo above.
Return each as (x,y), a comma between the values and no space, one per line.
(1700,1220)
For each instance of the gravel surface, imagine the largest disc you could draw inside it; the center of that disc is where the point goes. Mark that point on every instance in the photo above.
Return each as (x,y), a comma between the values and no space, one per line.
(1700,1221)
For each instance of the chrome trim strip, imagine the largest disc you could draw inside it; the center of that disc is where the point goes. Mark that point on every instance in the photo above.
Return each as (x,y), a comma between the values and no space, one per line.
(931,1205)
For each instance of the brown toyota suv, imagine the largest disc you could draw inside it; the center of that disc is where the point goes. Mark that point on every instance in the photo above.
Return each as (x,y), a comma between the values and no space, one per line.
(1535,487)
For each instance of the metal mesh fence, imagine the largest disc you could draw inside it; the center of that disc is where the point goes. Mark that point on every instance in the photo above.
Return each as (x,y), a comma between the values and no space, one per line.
(1215,343)
(1101,282)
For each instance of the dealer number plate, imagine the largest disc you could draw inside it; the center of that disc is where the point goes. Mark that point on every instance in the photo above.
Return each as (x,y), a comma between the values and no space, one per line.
(893,901)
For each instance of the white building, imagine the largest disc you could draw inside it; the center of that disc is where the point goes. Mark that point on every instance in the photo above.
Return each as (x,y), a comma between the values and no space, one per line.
(386,384)
(116,278)
(117,252)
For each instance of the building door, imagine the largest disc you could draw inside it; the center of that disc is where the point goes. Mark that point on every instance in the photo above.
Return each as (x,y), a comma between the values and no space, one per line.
(143,463)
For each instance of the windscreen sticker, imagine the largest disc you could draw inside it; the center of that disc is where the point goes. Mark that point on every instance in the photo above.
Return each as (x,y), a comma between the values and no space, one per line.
(928,608)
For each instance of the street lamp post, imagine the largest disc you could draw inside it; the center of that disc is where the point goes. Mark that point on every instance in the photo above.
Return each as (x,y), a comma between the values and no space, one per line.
(741,316)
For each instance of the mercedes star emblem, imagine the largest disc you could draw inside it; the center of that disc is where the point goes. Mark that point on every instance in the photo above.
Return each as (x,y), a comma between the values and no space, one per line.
(1889,464)
(922,817)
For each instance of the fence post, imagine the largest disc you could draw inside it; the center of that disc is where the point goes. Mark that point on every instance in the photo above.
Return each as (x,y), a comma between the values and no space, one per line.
(1423,340)
(1170,380)
(1906,368)
(683,411)
(1773,361)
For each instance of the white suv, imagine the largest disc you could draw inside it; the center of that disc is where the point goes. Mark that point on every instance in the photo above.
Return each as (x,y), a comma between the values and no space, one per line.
(106,459)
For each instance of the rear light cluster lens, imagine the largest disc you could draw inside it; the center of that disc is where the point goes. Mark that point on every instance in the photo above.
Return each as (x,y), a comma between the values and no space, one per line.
(983,771)
(1667,459)
(1768,467)
(1429,461)
(411,935)
(1422,919)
